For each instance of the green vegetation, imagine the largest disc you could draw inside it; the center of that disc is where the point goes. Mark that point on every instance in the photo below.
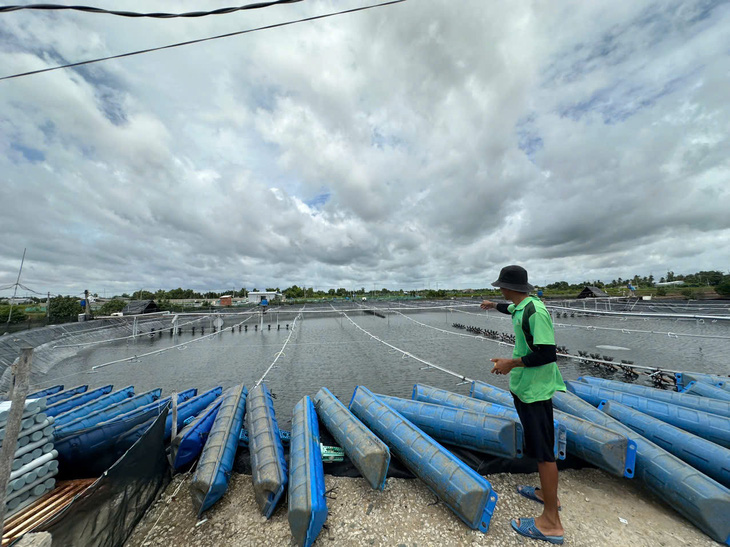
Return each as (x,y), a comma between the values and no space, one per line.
(64,309)
(18,315)
(113,306)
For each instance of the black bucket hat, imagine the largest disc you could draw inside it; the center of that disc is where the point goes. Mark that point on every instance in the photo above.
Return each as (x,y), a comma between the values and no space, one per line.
(513,278)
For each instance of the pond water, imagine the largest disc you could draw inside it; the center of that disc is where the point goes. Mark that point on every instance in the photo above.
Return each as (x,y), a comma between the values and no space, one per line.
(330,351)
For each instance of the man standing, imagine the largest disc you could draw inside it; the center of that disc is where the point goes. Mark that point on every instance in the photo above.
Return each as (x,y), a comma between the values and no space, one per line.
(534,377)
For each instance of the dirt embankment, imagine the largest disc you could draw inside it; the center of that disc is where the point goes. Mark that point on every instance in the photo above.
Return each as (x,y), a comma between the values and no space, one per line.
(598,510)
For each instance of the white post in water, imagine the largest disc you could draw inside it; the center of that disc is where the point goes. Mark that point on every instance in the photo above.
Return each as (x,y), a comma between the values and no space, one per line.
(174,415)
(17,395)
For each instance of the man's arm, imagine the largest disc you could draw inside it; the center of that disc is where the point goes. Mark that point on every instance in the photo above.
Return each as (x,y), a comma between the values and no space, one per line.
(542,355)
(489,305)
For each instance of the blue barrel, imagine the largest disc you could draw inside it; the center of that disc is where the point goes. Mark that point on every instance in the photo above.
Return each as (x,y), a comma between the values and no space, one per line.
(61,395)
(706,456)
(703,501)
(307,505)
(105,413)
(210,481)
(367,452)
(707,390)
(501,437)
(268,466)
(45,392)
(76,400)
(704,404)
(189,442)
(684,378)
(495,395)
(708,426)
(467,493)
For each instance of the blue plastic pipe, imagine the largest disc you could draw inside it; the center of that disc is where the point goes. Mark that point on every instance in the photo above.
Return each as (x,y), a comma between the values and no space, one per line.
(61,395)
(77,400)
(92,406)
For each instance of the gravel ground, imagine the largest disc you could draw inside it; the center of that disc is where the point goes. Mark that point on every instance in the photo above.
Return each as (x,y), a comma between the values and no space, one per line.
(406,514)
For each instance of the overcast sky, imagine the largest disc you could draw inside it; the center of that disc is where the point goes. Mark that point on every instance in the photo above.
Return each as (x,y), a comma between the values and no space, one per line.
(426,143)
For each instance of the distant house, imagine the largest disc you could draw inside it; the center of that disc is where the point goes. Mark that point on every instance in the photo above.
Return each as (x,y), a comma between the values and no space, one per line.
(227,300)
(137,307)
(255,297)
(592,292)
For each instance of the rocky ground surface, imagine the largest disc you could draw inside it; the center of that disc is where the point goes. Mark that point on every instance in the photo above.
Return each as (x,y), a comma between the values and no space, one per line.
(598,510)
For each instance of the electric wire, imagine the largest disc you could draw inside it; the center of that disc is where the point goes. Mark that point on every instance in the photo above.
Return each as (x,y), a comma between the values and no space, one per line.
(91,9)
(200,40)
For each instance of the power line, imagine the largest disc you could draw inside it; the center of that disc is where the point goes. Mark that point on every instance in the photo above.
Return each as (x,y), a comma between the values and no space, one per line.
(90,9)
(199,40)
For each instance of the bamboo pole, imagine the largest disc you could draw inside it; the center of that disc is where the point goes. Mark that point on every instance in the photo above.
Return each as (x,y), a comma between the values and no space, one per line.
(19,391)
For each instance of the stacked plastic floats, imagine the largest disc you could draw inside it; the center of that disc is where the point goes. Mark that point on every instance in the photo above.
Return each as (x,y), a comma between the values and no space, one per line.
(35,464)
(80,432)
(682,438)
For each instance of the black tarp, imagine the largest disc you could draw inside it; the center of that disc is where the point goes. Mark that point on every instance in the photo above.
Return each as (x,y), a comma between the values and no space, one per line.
(105,514)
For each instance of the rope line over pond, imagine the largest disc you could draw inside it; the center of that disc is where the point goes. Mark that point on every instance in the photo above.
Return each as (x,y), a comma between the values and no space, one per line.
(409,354)
(281,351)
(163,349)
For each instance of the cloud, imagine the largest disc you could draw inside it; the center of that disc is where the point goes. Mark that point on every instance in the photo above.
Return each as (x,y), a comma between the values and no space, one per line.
(415,144)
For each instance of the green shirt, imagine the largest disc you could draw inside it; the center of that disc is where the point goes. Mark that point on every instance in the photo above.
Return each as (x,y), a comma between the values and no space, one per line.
(532,384)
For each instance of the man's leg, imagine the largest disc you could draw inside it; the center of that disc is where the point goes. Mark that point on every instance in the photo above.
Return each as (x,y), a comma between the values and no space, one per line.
(549,522)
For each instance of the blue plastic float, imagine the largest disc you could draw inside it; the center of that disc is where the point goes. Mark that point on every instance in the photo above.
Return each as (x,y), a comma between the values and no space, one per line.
(211,477)
(268,466)
(61,395)
(684,378)
(703,424)
(154,406)
(307,505)
(704,404)
(76,400)
(45,392)
(104,414)
(602,447)
(493,394)
(501,437)
(189,442)
(92,406)
(462,489)
(367,452)
(706,390)
(713,460)
(703,501)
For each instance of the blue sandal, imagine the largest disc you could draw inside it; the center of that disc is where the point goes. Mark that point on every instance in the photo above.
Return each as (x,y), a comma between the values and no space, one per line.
(528,529)
(529,493)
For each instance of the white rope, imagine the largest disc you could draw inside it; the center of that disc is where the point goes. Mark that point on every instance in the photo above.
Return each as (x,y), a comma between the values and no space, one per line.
(163,349)
(638,314)
(83,344)
(281,351)
(624,331)
(568,355)
(409,354)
